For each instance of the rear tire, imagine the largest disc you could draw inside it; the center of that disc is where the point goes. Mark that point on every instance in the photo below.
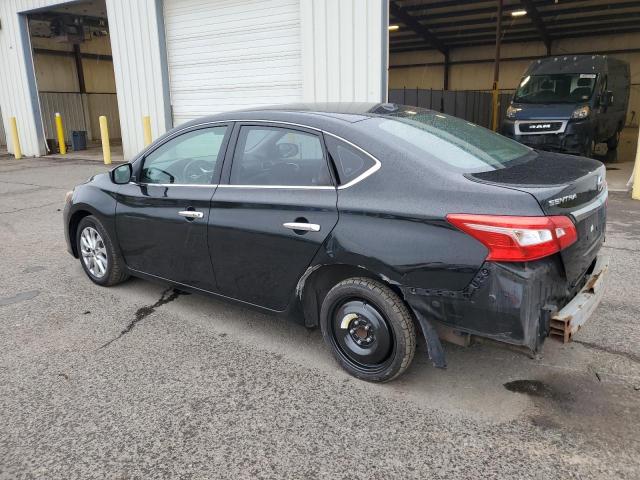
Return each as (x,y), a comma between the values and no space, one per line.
(98,256)
(614,141)
(369,329)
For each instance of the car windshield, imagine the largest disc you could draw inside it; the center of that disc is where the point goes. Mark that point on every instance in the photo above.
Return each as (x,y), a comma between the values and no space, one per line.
(557,88)
(454,141)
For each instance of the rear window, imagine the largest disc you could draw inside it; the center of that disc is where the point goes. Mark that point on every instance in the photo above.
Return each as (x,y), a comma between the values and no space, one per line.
(456,142)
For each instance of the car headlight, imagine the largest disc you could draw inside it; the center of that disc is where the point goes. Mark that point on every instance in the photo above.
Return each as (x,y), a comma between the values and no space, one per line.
(511,111)
(582,112)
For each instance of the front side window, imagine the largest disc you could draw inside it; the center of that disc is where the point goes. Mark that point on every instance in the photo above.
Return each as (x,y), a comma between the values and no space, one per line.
(278,156)
(190,159)
(556,88)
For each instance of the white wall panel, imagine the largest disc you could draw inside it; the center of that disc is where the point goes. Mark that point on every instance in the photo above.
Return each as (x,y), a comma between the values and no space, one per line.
(15,96)
(232,54)
(137,63)
(3,136)
(135,43)
(344,50)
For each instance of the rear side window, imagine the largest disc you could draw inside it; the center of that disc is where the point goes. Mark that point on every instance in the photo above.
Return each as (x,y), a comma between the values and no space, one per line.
(271,156)
(349,161)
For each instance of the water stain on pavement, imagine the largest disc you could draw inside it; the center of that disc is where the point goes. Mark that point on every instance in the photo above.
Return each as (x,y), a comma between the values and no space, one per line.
(169,295)
(34,269)
(20,297)
(536,388)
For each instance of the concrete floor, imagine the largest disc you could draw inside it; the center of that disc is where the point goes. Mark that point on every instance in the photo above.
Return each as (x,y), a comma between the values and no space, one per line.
(203,389)
(93,153)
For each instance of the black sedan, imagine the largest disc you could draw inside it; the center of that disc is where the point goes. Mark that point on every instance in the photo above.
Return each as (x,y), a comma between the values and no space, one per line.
(371,221)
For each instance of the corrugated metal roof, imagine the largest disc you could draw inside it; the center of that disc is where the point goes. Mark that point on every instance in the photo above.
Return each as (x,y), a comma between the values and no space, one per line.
(445,24)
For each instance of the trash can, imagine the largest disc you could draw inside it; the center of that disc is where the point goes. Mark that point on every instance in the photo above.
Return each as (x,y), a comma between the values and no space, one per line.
(79,140)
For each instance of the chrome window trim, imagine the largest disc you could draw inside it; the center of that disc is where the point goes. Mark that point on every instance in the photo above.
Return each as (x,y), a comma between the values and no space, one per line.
(358,179)
(563,127)
(199,185)
(370,171)
(588,209)
(283,187)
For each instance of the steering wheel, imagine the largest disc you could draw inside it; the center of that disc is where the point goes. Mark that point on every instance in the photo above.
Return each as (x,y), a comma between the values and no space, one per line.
(198,171)
(148,171)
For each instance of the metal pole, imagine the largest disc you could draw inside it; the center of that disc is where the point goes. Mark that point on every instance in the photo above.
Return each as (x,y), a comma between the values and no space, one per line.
(15,139)
(60,131)
(146,126)
(496,70)
(445,80)
(104,133)
(635,193)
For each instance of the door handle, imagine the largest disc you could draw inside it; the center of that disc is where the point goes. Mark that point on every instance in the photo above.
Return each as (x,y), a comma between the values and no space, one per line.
(302,226)
(191,214)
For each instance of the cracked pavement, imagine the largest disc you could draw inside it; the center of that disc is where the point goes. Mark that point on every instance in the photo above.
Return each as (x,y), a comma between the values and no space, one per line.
(191,387)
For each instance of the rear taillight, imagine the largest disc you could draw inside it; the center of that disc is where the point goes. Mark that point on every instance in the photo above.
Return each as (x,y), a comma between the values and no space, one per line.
(517,239)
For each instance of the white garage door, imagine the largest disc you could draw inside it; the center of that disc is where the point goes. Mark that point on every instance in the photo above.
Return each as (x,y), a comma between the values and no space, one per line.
(232,54)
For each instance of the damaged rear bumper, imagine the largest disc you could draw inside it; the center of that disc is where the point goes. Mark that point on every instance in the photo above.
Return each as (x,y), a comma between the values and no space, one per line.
(566,322)
(518,304)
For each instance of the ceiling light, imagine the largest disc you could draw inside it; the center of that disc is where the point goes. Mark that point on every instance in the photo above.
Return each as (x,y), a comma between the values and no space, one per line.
(518,13)
(393,28)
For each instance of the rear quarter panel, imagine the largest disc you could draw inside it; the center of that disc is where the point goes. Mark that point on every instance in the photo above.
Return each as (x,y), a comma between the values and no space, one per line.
(393,222)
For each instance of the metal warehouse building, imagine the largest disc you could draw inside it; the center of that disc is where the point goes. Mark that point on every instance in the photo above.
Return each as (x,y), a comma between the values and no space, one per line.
(175,60)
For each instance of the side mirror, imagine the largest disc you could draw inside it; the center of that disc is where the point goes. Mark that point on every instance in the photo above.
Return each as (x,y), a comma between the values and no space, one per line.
(607,98)
(121,174)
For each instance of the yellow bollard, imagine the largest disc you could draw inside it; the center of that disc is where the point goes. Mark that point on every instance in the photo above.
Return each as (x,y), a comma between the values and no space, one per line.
(60,131)
(104,133)
(635,193)
(15,140)
(146,126)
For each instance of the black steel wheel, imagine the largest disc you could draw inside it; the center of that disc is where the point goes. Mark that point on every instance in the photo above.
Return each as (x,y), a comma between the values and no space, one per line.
(369,329)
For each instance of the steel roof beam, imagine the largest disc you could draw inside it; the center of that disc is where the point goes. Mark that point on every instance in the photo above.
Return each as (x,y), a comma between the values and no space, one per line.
(417,27)
(537,21)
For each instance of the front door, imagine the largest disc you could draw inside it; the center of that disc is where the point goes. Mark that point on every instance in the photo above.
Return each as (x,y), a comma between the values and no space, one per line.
(161,219)
(272,216)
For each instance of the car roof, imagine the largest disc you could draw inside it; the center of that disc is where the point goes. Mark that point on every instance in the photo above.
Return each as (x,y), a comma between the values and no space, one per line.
(317,115)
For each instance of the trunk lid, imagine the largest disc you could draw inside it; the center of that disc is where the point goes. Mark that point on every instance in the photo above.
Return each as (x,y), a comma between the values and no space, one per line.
(563,185)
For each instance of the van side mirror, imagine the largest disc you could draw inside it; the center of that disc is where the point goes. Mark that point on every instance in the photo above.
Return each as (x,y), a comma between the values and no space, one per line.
(121,174)
(606,98)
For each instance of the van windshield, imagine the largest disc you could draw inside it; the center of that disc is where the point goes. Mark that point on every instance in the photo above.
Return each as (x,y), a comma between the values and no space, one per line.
(556,88)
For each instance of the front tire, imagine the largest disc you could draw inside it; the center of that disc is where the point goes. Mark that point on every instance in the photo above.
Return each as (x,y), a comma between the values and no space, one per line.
(369,329)
(98,256)
(613,142)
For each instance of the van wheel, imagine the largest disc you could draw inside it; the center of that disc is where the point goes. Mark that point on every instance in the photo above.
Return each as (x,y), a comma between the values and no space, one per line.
(613,142)
(589,147)
(369,329)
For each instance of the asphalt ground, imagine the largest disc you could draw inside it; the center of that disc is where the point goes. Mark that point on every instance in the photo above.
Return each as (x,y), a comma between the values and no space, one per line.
(199,388)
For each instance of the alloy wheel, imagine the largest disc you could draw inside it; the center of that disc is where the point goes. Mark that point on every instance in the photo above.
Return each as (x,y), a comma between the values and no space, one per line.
(94,252)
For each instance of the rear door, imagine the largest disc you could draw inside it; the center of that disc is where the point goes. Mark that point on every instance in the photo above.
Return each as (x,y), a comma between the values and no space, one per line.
(273,212)
(162,217)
